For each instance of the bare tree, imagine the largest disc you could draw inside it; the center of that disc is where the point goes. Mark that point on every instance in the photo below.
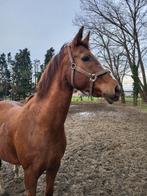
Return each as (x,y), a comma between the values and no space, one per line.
(114,59)
(124,23)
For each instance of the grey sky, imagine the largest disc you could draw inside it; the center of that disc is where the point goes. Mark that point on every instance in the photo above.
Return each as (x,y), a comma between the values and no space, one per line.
(36,24)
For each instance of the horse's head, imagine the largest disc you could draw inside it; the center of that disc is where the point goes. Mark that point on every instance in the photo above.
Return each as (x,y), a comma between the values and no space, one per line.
(86,73)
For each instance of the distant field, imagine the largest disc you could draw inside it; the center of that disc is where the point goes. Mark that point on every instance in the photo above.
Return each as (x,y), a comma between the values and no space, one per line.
(129,101)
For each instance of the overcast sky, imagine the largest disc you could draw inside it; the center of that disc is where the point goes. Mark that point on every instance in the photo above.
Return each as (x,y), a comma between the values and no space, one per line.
(36,24)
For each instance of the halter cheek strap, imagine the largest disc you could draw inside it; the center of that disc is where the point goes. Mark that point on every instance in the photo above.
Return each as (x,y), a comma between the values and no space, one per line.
(92,76)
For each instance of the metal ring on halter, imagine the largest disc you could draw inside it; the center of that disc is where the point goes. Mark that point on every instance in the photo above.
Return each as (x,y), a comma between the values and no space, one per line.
(73,66)
(93,77)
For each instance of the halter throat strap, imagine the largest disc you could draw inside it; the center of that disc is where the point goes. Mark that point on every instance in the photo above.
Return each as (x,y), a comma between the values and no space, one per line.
(92,76)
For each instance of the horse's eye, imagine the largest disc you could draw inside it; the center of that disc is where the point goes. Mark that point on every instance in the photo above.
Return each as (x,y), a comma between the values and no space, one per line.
(85,58)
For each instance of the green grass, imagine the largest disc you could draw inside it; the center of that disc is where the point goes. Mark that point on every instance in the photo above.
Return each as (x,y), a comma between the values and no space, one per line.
(77,99)
(141,105)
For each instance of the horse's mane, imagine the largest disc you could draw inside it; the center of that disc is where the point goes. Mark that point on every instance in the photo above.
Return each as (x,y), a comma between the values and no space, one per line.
(48,74)
(28,98)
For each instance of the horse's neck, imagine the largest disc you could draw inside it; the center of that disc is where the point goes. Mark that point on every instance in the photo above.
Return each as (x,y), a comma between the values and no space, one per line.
(55,104)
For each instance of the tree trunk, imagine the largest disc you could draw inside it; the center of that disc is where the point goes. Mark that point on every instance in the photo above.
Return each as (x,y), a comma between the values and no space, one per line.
(144,96)
(123,100)
(135,100)
(122,96)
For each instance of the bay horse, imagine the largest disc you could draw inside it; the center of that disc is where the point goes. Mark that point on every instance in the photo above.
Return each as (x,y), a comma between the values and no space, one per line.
(32,135)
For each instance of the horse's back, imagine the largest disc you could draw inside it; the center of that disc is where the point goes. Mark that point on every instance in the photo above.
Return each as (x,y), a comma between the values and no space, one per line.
(6,107)
(9,104)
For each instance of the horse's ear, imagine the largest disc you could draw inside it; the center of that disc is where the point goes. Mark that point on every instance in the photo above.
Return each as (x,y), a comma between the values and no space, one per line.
(77,39)
(85,41)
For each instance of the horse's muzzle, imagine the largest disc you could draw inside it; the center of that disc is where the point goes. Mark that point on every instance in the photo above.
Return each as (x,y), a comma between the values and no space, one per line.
(114,97)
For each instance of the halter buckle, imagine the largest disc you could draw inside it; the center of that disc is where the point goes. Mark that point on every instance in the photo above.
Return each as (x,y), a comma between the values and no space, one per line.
(73,66)
(93,77)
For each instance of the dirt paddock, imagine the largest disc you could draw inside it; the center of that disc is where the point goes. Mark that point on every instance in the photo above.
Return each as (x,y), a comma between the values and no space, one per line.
(106,154)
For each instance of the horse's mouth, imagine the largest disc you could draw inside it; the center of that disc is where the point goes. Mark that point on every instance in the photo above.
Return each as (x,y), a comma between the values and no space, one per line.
(111,99)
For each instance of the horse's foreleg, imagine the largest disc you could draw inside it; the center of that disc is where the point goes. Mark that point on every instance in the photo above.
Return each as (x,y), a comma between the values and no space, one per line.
(50,178)
(30,180)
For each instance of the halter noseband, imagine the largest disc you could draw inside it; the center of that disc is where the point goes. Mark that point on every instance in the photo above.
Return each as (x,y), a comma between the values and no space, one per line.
(92,76)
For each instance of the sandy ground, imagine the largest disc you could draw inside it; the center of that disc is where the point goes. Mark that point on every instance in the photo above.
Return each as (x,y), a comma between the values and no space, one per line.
(106,154)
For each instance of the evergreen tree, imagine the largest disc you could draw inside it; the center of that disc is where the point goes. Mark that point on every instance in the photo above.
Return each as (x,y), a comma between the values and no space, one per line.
(22,74)
(49,54)
(4,77)
(11,64)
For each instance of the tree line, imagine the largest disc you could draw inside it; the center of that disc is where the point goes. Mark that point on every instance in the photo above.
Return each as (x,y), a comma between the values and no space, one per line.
(119,38)
(19,75)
